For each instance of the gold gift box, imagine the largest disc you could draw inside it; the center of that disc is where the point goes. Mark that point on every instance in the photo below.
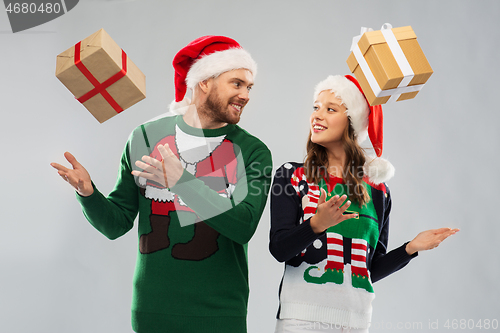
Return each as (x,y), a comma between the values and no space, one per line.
(384,66)
(88,73)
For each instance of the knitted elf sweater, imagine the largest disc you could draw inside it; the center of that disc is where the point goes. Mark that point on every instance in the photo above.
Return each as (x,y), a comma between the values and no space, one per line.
(328,277)
(191,273)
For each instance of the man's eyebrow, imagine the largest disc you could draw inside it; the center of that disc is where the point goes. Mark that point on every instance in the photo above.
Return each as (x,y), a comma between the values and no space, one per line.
(242,81)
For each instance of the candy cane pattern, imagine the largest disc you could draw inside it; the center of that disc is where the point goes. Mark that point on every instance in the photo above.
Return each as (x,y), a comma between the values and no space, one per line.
(310,196)
(358,257)
(335,251)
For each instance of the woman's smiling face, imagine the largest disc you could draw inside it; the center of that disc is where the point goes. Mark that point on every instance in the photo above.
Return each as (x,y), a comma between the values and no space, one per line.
(328,119)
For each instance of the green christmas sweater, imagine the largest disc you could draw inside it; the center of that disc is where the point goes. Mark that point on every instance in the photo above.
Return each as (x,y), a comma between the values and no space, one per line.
(191,273)
(328,277)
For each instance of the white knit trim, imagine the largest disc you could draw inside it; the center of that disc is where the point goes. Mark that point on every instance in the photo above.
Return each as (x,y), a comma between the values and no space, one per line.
(141,181)
(314,302)
(219,62)
(357,107)
(160,194)
(324,314)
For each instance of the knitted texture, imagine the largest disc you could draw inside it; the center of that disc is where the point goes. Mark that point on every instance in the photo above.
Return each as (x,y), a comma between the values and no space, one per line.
(329,277)
(191,273)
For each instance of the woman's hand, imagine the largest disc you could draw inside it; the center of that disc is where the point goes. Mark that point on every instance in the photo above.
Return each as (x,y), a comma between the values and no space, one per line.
(429,239)
(330,213)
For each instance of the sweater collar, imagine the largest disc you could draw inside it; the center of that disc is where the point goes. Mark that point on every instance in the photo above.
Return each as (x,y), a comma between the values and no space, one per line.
(204,132)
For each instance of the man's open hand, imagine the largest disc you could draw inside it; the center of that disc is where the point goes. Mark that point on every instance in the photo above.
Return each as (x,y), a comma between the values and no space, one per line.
(78,177)
(165,172)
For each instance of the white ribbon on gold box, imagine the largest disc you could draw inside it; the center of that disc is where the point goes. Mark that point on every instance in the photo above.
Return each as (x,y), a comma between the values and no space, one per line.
(388,64)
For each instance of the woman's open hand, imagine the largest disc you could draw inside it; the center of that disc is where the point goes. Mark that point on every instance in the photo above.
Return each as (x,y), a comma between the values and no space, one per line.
(330,213)
(429,239)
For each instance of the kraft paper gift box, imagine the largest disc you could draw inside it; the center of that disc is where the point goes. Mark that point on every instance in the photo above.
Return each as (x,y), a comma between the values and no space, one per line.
(388,64)
(101,76)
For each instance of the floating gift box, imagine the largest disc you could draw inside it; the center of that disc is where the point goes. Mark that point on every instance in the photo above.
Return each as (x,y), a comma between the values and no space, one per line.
(101,76)
(388,64)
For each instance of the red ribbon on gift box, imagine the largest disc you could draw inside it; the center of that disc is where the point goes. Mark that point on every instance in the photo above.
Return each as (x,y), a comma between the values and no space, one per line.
(100,88)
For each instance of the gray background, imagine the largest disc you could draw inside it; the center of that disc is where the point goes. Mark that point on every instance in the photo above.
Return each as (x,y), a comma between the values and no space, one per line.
(58,274)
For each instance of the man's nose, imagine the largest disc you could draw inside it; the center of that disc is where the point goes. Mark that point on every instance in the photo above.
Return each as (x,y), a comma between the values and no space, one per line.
(244,95)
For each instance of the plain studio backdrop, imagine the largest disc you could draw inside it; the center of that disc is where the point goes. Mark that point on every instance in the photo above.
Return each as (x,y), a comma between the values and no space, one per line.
(58,274)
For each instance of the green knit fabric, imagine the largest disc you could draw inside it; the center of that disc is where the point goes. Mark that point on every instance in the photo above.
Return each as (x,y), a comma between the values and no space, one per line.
(366,226)
(174,295)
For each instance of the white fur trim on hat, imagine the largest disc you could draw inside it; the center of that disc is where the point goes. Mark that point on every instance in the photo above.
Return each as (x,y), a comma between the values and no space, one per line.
(180,107)
(378,170)
(219,62)
(352,98)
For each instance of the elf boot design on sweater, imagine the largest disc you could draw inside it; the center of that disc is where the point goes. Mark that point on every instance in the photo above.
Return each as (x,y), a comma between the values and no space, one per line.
(157,239)
(360,279)
(341,251)
(329,275)
(334,268)
(201,246)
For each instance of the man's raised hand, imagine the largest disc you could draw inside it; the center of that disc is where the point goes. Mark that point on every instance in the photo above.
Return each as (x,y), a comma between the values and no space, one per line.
(78,177)
(165,172)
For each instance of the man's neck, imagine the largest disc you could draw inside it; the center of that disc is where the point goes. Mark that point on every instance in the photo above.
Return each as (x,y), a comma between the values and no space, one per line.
(196,118)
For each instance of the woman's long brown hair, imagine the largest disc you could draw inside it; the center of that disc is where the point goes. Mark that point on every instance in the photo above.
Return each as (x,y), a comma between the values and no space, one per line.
(316,165)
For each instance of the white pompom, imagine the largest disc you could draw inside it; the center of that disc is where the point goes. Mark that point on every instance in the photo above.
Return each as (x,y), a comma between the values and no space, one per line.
(180,107)
(378,170)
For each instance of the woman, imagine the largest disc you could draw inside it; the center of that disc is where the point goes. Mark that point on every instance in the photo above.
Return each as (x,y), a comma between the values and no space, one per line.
(329,218)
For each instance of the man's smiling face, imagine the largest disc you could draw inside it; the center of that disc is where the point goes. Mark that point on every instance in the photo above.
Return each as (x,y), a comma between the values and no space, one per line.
(227,96)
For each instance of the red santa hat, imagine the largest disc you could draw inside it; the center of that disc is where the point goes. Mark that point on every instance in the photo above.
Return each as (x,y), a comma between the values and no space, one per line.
(366,121)
(203,58)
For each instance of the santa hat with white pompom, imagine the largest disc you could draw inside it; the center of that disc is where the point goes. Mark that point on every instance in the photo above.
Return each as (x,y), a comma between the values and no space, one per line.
(203,58)
(366,121)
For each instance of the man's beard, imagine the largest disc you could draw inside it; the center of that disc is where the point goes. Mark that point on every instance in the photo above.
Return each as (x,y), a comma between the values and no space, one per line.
(217,110)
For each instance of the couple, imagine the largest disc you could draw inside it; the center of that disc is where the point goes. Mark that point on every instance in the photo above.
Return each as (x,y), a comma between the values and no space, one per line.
(199,184)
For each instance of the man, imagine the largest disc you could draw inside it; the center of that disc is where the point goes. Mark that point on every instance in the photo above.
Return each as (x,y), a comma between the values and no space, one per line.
(199,184)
